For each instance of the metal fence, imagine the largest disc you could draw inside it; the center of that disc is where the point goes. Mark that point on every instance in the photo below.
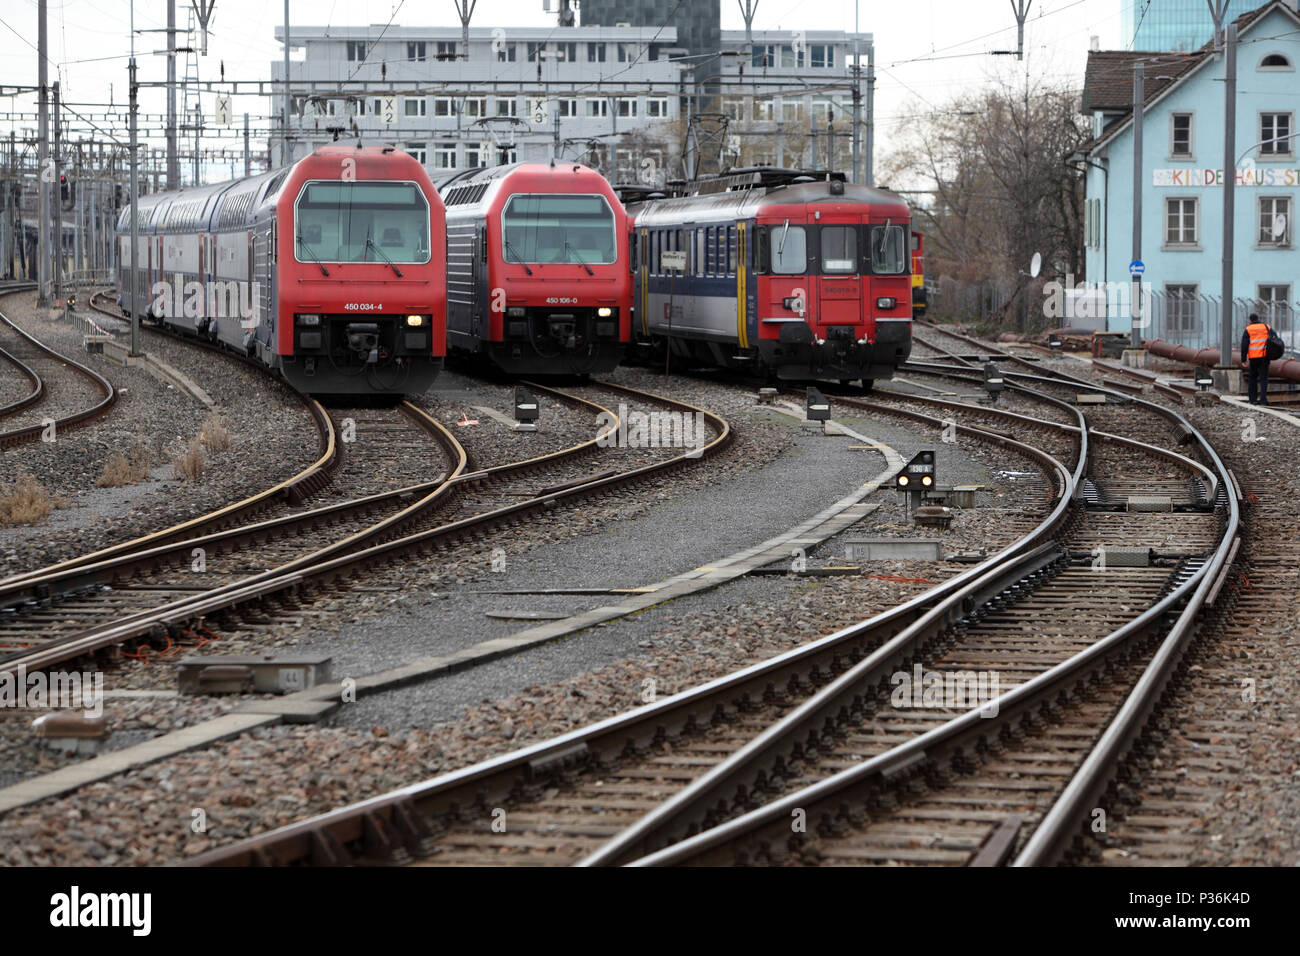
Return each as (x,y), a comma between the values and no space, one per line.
(1195,320)
(1183,319)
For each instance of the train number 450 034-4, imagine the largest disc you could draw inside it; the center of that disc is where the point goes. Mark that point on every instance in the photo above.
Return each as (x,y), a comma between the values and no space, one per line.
(363,307)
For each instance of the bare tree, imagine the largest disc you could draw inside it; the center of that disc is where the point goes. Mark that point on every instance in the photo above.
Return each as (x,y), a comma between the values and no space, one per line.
(995,166)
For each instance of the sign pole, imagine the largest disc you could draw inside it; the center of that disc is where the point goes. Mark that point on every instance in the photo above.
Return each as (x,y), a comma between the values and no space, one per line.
(1229,181)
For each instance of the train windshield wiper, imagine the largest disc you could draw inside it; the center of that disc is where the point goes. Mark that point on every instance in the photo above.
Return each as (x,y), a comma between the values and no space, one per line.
(314,258)
(371,243)
(780,246)
(510,250)
(581,261)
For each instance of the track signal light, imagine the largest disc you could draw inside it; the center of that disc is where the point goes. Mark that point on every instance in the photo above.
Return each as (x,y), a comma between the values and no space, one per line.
(917,472)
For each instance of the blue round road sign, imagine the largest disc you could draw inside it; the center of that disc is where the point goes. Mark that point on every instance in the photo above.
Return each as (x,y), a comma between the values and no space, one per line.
(1136,267)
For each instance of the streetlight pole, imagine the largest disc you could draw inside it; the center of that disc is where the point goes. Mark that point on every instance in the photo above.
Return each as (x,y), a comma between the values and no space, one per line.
(135,200)
(871,112)
(284,149)
(1229,181)
(857,100)
(43,177)
(1135,337)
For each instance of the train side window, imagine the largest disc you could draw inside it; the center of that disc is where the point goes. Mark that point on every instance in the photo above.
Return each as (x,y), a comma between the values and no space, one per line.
(789,249)
(699,252)
(761,244)
(710,251)
(731,250)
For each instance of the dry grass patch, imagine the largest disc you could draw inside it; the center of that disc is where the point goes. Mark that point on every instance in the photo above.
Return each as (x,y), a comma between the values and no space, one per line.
(26,501)
(214,434)
(121,470)
(191,462)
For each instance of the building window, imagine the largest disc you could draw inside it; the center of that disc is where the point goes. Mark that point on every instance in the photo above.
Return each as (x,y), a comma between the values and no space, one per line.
(446,49)
(444,106)
(790,110)
(734,108)
(1273,303)
(626,52)
(790,57)
(378,107)
(764,111)
(567,108)
(476,154)
(415,106)
(597,108)
(1180,222)
(1275,134)
(415,52)
(656,106)
(821,56)
(1180,307)
(419,151)
(823,111)
(507,53)
(356,51)
(444,157)
(507,107)
(1275,221)
(535,51)
(595,53)
(567,52)
(1180,136)
(475,107)
(1276,61)
(627,106)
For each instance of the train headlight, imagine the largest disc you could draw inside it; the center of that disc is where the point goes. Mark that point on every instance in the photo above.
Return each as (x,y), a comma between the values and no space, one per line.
(515,311)
(604,312)
(308,319)
(886,302)
(415,320)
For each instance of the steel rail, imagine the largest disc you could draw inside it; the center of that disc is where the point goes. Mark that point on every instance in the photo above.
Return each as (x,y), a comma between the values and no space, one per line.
(336,561)
(29,433)
(37,383)
(494,778)
(1067,814)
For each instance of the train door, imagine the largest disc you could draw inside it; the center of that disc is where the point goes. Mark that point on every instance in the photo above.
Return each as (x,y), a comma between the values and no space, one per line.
(838,283)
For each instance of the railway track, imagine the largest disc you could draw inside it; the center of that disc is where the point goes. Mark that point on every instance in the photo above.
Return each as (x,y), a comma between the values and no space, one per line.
(62,394)
(145,589)
(715,774)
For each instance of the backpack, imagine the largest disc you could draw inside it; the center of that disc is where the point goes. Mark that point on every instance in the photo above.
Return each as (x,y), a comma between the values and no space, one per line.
(1274,348)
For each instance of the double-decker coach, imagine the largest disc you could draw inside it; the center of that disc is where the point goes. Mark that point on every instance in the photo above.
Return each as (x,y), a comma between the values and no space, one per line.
(538,275)
(792,274)
(331,271)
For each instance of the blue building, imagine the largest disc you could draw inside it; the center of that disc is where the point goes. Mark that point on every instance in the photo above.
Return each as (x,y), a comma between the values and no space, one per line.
(1172,24)
(1182,178)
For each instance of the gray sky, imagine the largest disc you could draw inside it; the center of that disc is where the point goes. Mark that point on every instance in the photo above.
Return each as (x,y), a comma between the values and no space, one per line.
(926,50)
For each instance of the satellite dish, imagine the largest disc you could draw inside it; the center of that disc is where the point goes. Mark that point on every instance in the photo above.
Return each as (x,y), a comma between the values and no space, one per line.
(1279,225)
(1035,265)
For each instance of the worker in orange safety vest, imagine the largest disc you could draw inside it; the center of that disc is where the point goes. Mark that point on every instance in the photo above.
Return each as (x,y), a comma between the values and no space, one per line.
(1253,342)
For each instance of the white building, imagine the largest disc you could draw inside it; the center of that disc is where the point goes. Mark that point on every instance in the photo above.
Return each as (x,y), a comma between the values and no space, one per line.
(611,97)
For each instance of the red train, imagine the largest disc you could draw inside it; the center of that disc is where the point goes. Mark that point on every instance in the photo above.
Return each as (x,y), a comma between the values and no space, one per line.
(789,273)
(538,278)
(325,269)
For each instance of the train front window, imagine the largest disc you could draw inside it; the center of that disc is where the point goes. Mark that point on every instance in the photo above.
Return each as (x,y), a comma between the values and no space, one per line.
(361,222)
(888,250)
(547,228)
(789,249)
(839,249)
